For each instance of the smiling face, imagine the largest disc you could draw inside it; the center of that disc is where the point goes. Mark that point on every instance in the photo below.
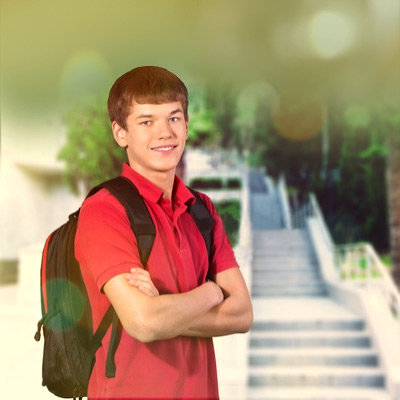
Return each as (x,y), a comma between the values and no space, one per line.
(154,137)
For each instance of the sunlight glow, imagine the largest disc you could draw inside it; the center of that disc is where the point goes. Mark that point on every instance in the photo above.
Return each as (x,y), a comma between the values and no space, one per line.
(332,33)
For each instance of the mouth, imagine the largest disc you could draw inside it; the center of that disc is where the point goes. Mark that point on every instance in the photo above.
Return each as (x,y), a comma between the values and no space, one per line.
(164,149)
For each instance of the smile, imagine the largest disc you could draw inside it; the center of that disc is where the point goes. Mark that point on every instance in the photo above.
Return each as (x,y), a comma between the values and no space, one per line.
(163,148)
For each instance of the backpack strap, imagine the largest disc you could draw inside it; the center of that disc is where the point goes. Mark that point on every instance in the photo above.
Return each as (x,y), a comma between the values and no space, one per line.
(203,219)
(139,218)
(143,228)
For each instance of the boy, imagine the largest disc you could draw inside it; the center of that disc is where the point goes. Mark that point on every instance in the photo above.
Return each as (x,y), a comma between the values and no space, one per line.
(170,311)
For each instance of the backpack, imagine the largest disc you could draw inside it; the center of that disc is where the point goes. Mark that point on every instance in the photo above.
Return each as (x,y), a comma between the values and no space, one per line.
(69,341)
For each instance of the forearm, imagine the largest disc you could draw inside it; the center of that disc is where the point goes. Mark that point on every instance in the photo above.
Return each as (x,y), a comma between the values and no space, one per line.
(172,315)
(233,315)
(148,318)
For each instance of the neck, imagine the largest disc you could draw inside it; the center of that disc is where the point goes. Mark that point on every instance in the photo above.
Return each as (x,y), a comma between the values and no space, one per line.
(165,183)
(163,180)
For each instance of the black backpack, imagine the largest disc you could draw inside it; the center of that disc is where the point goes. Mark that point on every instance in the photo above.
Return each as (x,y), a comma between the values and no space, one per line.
(69,342)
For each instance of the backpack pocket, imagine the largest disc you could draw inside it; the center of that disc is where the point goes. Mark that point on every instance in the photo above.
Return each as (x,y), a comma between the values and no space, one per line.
(59,369)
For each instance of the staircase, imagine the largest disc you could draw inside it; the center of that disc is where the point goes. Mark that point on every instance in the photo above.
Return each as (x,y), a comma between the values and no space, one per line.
(311,348)
(284,265)
(303,345)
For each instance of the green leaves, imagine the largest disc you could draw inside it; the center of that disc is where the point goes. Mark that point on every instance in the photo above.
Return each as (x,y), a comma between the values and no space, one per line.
(90,153)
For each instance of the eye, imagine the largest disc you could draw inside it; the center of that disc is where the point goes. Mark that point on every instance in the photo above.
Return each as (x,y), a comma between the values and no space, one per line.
(146,123)
(174,119)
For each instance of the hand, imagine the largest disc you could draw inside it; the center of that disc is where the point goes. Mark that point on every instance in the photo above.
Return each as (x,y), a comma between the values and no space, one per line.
(141,279)
(217,292)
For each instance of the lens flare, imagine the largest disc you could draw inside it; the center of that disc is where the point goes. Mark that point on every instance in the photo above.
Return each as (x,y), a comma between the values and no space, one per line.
(331,33)
(298,118)
(86,73)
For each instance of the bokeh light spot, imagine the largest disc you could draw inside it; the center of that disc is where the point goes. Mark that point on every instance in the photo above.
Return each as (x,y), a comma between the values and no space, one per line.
(252,96)
(357,116)
(331,33)
(85,74)
(298,118)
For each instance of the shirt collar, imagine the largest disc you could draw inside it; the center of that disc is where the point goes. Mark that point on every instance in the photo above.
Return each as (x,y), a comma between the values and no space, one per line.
(151,192)
(181,193)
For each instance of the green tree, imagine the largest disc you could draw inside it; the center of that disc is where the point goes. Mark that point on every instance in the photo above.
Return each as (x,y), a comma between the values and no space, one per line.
(90,152)
(221,100)
(388,120)
(203,130)
(360,194)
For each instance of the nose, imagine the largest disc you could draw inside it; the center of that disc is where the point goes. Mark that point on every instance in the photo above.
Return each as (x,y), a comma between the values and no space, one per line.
(165,130)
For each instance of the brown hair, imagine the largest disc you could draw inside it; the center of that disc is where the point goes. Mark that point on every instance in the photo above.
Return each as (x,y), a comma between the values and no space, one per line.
(145,85)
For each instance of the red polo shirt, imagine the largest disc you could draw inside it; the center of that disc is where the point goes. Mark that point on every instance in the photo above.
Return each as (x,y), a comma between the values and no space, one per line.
(182,367)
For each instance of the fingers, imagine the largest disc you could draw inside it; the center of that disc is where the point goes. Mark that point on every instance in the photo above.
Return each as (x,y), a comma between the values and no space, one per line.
(141,279)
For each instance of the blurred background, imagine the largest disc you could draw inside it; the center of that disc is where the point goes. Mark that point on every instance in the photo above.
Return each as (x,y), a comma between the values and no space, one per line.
(302,92)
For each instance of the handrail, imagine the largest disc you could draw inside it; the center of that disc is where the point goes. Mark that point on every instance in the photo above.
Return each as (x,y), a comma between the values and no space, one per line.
(359,263)
(283,199)
(317,213)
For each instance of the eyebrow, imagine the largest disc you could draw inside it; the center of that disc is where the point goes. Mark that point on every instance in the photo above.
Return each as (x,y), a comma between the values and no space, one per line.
(178,110)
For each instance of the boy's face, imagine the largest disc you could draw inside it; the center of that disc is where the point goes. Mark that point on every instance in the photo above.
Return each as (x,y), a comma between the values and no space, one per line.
(155,137)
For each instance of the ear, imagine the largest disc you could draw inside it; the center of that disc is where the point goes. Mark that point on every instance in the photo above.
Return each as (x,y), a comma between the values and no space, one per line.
(119,134)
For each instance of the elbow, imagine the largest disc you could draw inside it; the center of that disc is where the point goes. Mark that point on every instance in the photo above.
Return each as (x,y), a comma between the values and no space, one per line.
(142,329)
(247,320)
(143,335)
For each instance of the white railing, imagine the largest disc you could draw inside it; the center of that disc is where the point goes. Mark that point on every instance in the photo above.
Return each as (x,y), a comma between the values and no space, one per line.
(284,200)
(359,264)
(317,213)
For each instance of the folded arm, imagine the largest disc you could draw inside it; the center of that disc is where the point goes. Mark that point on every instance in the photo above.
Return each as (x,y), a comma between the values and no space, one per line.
(233,315)
(148,317)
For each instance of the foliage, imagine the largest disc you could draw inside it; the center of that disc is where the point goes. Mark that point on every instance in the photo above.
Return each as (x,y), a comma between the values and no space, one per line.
(359,197)
(202,128)
(204,183)
(300,162)
(349,179)
(229,211)
(221,99)
(90,152)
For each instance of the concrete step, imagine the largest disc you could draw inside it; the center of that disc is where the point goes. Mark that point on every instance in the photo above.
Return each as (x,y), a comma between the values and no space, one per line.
(330,393)
(310,339)
(285,280)
(292,233)
(264,277)
(265,212)
(284,252)
(279,242)
(289,291)
(354,324)
(285,309)
(313,357)
(282,263)
(284,269)
(290,236)
(316,377)
(257,182)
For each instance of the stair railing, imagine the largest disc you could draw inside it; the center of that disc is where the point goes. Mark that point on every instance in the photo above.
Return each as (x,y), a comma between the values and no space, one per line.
(317,213)
(359,264)
(283,199)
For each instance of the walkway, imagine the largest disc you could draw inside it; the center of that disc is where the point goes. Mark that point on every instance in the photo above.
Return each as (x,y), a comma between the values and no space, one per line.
(303,345)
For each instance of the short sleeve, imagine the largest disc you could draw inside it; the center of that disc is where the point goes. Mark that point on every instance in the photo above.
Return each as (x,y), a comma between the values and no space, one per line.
(104,242)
